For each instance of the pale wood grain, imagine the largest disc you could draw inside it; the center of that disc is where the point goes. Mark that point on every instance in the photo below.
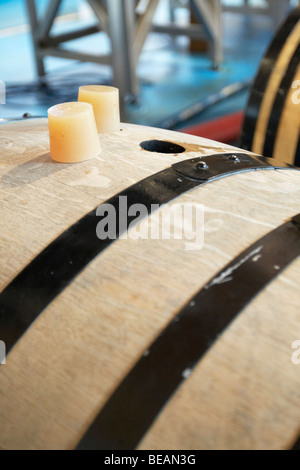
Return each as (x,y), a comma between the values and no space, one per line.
(288,133)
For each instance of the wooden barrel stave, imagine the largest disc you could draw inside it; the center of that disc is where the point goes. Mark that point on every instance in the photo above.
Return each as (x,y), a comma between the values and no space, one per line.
(66,366)
(252,362)
(80,188)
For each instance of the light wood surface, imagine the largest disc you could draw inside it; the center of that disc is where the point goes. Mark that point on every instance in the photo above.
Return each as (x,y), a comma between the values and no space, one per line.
(288,133)
(245,392)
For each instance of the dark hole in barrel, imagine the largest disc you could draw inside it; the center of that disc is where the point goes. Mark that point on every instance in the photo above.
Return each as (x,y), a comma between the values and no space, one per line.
(161,146)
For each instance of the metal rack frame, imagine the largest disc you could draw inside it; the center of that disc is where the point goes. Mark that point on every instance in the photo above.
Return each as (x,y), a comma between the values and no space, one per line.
(127,32)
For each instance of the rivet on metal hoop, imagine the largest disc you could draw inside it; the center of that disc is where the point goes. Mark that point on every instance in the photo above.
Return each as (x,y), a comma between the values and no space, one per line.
(234,158)
(201,165)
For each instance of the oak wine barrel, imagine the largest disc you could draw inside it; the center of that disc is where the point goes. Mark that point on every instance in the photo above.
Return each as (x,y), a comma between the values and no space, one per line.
(147,343)
(272,119)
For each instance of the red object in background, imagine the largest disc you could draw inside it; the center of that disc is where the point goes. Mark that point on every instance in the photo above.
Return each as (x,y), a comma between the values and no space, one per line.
(226,129)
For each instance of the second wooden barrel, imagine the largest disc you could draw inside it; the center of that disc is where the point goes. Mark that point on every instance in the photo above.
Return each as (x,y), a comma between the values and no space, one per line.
(272,121)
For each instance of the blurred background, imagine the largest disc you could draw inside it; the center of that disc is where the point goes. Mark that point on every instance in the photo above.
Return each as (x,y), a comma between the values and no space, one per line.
(178,63)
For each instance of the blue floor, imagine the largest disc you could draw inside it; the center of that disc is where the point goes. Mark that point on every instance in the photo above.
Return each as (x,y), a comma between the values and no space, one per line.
(171,78)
